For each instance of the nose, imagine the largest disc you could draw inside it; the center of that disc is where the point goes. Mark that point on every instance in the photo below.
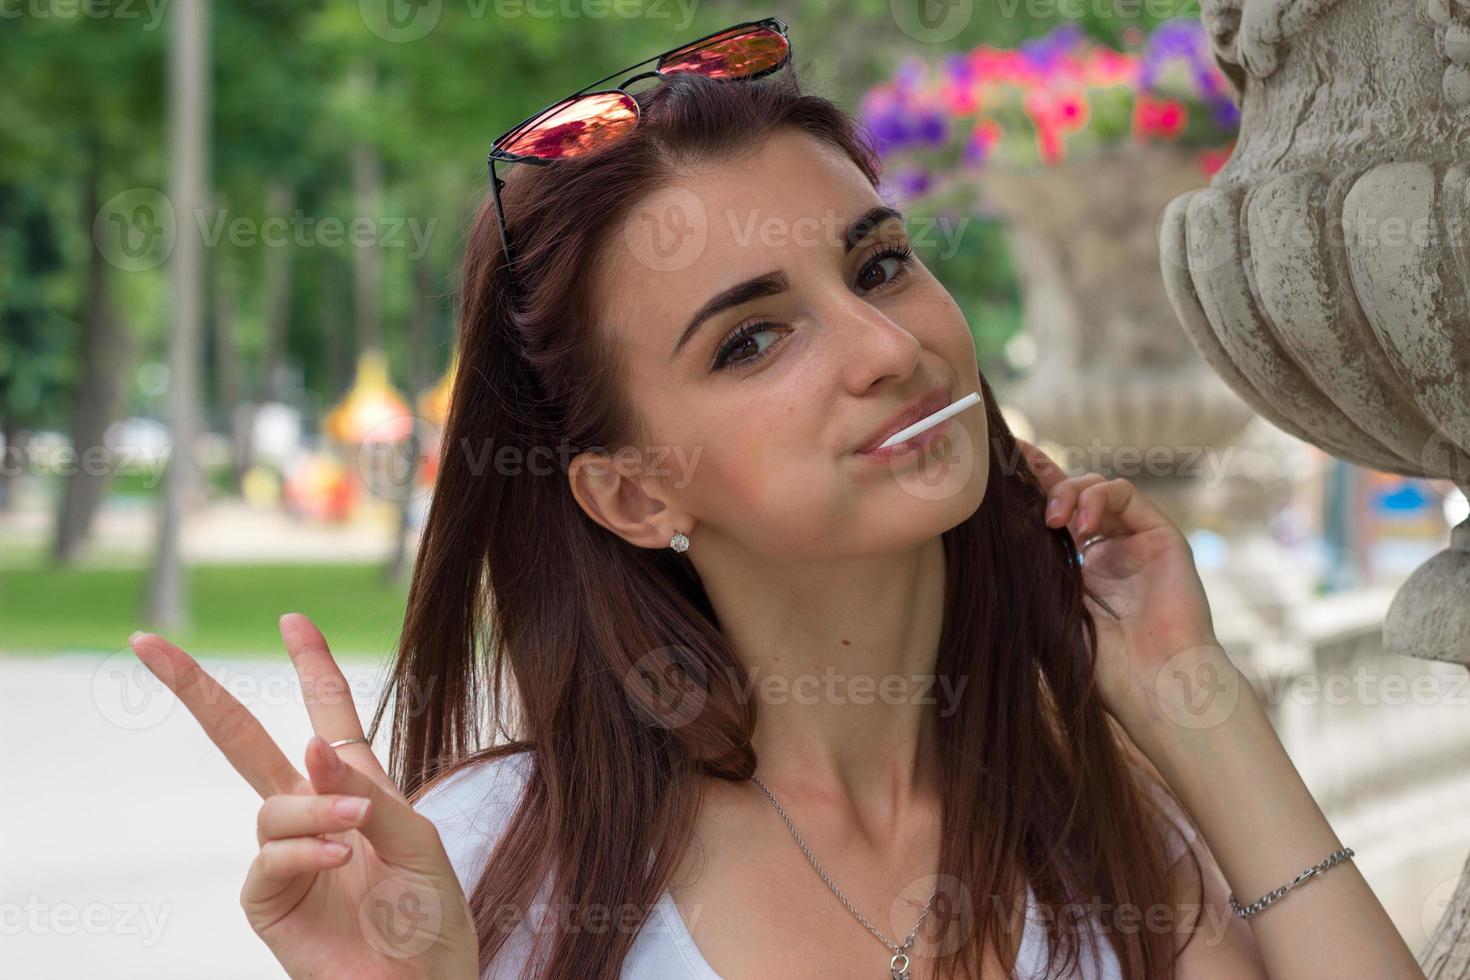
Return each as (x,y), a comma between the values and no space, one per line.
(870,345)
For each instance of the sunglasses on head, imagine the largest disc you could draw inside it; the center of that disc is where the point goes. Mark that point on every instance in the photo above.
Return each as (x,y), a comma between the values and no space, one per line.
(586,121)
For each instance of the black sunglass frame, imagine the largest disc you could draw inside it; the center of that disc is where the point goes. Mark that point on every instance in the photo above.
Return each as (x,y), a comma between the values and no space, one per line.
(497,154)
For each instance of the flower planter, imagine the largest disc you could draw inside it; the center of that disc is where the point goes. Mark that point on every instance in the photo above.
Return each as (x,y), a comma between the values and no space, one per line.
(1113,379)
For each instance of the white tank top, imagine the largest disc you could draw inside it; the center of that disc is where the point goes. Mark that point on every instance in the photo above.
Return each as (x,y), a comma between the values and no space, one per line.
(471,807)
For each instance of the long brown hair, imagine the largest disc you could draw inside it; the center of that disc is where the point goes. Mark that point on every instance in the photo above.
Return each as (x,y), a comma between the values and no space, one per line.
(528,618)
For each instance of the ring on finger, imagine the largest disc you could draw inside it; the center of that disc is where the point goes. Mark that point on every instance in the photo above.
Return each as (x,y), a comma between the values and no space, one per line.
(1092,540)
(349,741)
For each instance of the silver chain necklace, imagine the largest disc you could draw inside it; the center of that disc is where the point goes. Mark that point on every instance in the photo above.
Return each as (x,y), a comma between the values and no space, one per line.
(898,966)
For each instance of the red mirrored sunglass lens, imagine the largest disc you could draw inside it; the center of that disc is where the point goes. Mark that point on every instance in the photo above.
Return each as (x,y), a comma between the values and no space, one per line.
(575,127)
(746,51)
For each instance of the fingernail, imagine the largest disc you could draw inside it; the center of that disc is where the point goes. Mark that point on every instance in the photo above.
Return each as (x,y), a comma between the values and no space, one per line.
(350,809)
(145,652)
(334,849)
(1082,517)
(133,636)
(1053,509)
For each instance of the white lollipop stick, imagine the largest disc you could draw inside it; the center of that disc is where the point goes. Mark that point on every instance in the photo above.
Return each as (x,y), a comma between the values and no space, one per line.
(953,408)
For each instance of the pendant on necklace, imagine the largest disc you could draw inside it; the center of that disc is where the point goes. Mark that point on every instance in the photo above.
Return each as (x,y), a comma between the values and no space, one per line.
(898,967)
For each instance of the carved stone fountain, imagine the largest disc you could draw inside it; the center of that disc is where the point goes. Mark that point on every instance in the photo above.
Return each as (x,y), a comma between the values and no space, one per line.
(1325,273)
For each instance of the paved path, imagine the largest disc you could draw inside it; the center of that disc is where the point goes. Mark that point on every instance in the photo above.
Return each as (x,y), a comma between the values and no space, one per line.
(126,833)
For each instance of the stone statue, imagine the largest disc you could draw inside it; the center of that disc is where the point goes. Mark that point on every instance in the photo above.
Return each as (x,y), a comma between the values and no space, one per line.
(1325,273)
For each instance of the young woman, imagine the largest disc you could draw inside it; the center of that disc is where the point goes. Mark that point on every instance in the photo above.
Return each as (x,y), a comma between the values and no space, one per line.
(763,701)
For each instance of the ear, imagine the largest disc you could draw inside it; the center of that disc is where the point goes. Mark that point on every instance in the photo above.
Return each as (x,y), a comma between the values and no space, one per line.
(616,493)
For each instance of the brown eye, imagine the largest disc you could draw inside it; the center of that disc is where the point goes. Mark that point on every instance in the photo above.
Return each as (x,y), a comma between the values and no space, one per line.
(741,339)
(875,277)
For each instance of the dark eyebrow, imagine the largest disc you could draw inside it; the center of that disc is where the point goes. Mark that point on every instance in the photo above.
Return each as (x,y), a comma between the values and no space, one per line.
(776,282)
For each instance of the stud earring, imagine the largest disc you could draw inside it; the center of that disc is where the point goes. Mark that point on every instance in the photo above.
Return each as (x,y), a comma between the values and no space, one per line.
(679,542)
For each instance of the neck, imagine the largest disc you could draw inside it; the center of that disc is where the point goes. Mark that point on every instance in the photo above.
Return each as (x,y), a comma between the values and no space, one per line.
(841,666)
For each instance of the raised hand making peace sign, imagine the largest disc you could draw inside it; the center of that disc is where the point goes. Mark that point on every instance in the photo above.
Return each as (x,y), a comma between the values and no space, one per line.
(350,881)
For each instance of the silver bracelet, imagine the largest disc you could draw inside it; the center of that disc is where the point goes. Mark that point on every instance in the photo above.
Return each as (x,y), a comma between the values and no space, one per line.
(1245,912)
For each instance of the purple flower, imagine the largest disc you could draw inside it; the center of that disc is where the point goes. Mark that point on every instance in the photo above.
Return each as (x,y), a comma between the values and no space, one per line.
(932,129)
(910,75)
(959,69)
(1206,81)
(1045,53)
(1180,38)
(885,113)
(912,182)
(889,131)
(977,152)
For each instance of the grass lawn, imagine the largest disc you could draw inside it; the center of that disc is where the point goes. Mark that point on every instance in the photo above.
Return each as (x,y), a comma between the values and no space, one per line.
(234,608)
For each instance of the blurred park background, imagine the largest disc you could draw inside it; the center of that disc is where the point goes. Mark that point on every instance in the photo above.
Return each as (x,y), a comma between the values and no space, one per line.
(229,243)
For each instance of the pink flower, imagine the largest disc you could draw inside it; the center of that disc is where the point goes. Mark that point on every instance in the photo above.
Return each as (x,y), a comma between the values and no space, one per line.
(1071,111)
(1049,144)
(1159,117)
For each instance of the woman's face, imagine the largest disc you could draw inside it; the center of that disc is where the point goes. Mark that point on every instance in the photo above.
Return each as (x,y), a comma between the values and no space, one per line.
(768,331)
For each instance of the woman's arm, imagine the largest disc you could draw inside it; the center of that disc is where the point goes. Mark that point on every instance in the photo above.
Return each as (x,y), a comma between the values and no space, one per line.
(1230,770)
(1163,675)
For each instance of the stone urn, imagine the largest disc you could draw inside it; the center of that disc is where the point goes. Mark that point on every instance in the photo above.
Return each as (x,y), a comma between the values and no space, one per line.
(1112,381)
(1325,273)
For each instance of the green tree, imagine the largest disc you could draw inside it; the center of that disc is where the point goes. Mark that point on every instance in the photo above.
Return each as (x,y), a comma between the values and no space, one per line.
(83,140)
